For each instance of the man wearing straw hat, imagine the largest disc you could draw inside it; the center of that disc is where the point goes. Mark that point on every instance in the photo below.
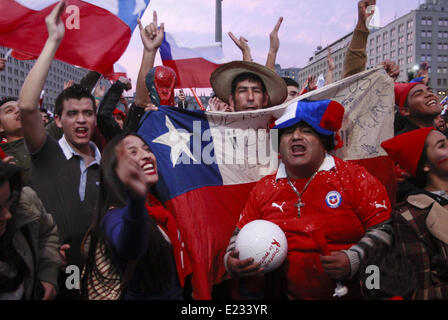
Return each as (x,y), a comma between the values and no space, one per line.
(248,86)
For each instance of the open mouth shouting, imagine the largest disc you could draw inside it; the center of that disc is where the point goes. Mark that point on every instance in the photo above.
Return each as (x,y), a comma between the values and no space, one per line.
(149,168)
(298,150)
(82,132)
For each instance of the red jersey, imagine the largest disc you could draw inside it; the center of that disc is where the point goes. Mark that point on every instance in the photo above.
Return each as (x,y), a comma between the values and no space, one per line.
(346,196)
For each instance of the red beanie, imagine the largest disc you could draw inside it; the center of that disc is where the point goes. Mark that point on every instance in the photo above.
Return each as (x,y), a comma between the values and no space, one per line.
(406,149)
(402,91)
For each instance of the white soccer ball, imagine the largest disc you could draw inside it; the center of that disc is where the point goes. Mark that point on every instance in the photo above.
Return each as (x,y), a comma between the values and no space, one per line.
(265,242)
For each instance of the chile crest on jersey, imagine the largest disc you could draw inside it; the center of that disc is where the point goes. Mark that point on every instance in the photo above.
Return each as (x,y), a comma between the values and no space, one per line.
(333,199)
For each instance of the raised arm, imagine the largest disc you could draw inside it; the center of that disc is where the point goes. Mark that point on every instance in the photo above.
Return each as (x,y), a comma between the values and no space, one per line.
(274,45)
(33,127)
(126,228)
(152,38)
(243,44)
(423,72)
(331,67)
(356,58)
(106,121)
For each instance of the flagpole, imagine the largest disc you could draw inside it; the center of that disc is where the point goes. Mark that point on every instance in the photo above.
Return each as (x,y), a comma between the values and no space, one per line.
(218,22)
(201,106)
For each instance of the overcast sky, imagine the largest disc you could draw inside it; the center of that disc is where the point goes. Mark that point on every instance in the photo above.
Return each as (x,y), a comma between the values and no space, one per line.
(306,24)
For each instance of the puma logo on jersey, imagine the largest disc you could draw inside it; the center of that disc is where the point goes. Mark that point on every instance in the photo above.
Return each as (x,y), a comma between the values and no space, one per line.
(277,206)
(381,205)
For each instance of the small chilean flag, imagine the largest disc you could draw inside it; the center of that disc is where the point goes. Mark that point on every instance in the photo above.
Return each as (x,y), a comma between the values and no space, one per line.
(119,71)
(97,32)
(20,55)
(193,66)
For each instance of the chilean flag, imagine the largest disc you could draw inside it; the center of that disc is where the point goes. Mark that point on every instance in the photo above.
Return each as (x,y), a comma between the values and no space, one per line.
(193,66)
(205,179)
(20,55)
(97,32)
(208,162)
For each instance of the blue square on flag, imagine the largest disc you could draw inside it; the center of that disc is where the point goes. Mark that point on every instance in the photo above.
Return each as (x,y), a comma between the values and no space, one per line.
(184,149)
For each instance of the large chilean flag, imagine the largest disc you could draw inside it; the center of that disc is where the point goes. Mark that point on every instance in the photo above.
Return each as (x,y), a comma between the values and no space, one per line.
(193,66)
(97,32)
(208,162)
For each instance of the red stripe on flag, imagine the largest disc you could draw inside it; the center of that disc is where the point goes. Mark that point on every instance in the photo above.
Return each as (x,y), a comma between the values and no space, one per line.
(116,75)
(206,226)
(20,55)
(99,42)
(192,73)
(383,168)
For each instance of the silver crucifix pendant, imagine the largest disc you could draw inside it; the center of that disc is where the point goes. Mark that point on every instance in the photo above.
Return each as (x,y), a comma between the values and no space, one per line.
(299,205)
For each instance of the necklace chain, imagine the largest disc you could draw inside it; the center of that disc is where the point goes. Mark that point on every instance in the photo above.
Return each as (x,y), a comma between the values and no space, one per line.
(300,204)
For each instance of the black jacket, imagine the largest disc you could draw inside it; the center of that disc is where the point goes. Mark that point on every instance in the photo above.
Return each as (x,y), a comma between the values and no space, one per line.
(107,125)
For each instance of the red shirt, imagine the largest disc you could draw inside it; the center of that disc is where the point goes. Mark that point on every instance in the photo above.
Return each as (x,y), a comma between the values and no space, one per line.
(346,196)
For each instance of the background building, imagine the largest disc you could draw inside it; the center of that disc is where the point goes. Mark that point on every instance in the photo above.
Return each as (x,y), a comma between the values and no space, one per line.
(15,72)
(318,63)
(292,73)
(419,36)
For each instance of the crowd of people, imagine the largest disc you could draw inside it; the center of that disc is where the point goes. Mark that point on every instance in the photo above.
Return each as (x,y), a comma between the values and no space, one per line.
(77,187)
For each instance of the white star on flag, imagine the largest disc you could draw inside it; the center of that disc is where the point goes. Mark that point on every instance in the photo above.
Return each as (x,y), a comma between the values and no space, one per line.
(140,5)
(178,142)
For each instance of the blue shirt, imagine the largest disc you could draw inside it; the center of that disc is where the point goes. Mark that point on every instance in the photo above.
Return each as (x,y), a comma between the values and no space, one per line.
(127,231)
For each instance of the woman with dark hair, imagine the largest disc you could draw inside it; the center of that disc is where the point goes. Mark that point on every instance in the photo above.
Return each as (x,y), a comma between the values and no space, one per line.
(132,229)
(29,242)
(421,222)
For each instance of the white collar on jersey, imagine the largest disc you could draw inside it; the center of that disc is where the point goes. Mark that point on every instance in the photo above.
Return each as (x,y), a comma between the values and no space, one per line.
(327,165)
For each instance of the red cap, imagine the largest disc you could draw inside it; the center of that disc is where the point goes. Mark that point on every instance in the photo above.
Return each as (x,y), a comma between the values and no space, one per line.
(406,149)
(402,91)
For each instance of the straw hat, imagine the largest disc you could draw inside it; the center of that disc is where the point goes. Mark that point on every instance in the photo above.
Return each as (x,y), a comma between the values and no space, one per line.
(221,80)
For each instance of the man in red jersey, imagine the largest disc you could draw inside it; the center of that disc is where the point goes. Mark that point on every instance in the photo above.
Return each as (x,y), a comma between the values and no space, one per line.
(312,186)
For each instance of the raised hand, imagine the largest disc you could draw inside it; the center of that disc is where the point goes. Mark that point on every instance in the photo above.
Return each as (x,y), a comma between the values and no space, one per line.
(392,69)
(312,83)
(152,36)
(274,45)
(100,91)
(214,104)
(330,60)
(273,37)
(423,71)
(243,44)
(363,15)
(68,84)
(127,82)
(55,26)
(129,172)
